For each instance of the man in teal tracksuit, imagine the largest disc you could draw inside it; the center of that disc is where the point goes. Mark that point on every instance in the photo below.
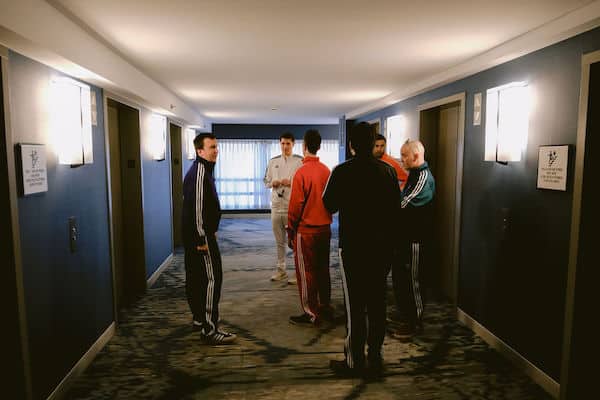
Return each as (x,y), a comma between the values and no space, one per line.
(417,220)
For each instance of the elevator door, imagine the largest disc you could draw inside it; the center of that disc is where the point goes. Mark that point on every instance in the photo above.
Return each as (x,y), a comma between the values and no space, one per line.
(176,182)
(581,381)
(126,200)
(15,375)
(439,134)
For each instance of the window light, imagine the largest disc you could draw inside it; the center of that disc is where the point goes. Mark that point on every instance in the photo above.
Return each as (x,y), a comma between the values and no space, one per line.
(158,137)
(506,122)
(395,132)
(190,135)
(72,121)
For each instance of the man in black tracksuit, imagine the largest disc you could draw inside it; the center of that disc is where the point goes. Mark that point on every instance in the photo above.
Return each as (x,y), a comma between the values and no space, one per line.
(201,217)
(359,188)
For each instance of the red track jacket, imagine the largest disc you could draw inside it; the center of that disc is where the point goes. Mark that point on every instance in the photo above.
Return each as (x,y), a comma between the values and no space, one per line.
(306,209)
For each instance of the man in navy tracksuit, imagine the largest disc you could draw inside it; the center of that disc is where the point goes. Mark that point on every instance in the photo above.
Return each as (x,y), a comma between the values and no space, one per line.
(417,218)
(201,217)
(358,188)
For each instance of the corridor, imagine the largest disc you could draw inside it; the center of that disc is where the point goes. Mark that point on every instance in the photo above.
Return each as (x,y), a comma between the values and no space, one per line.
(156,355)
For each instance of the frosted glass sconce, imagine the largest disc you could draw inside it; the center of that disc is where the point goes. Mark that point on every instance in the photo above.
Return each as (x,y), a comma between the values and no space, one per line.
(158,137)
(506,122)
(395,132)
(72,121)
(190,135)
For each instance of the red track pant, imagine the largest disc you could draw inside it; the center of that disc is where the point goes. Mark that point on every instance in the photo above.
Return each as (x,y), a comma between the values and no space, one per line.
(311,255)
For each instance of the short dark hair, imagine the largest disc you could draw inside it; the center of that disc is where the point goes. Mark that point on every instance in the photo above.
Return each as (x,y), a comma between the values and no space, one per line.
(287,135)
(312,140)
(199,140)
(380,137)
(362,138)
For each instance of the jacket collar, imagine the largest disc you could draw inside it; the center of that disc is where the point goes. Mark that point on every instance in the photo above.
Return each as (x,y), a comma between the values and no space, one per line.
(208,164)
(421,167)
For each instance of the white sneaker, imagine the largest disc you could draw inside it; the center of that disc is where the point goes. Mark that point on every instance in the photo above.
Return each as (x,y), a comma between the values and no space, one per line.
(279,276)
(292,281)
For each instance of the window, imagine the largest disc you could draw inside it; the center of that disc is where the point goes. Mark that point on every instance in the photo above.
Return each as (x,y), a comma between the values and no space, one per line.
(241,167)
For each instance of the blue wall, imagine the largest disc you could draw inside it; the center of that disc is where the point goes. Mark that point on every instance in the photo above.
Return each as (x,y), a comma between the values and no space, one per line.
(68,296)
(515,284)
(249,131)
(156,180)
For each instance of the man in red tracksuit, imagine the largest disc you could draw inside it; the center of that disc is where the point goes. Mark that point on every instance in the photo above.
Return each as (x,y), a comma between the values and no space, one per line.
(309,233)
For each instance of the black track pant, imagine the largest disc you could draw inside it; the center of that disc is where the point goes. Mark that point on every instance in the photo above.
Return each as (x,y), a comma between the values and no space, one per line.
(407,280)
(364,282)
(203,281)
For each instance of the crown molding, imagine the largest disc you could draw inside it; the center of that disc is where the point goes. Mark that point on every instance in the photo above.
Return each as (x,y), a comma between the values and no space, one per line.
(561,28)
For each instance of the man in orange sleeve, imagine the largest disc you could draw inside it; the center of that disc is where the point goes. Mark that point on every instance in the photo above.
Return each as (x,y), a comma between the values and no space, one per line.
(379,152)
(309,233)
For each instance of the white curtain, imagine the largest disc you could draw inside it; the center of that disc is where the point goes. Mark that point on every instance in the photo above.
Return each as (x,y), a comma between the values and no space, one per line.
(241,168)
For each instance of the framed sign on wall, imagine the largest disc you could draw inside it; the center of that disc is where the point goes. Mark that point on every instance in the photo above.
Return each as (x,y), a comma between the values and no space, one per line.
(553,162)
(31,160)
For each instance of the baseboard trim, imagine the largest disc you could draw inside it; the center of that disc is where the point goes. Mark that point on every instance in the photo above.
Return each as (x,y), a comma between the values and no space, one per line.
(248,215)
(538,376)
(225,213)
(159,271)
(84,362)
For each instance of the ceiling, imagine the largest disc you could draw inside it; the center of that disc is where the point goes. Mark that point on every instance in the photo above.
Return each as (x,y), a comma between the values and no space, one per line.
(285,61)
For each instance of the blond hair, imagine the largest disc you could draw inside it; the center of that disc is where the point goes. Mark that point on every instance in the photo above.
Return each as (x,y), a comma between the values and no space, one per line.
(414,146)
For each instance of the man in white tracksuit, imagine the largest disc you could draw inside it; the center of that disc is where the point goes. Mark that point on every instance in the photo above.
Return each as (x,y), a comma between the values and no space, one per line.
(278,177)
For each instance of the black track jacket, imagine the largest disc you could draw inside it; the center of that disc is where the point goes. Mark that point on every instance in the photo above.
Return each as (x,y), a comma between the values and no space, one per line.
(365,191)
(201,209)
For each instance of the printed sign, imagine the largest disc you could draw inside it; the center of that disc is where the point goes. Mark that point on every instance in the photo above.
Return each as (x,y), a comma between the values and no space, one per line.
(477,109)
(552,167)
(33,164)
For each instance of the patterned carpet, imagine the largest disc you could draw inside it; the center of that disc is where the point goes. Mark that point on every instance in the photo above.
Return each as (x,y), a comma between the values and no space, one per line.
(156,355)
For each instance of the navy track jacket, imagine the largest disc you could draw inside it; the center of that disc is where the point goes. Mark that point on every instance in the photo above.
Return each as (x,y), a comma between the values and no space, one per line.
(201,209)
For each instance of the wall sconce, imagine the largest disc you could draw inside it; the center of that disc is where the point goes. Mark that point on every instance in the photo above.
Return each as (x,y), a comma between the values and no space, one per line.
(190,135)
(395,131)
(506,122)
(158,137)
(72,121)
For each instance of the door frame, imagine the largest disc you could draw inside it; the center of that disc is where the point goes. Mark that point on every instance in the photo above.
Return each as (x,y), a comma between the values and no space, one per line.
(379,123)
(14,216)
(586,61)
(105,98)
(181,158)
(460,147)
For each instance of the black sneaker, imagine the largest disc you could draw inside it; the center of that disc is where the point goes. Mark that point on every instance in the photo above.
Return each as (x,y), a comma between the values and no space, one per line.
(342,370)
(405,329)
(218,338)
(419,327)
(303,319)
(327,314)
(375,367)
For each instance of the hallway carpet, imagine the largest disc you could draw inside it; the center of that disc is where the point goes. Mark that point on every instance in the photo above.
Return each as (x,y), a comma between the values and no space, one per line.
(156,355)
